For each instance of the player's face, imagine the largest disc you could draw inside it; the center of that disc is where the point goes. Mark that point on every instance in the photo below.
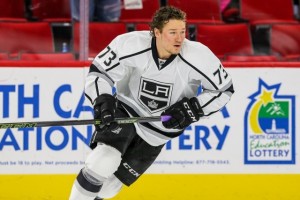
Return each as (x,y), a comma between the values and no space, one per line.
(169,40)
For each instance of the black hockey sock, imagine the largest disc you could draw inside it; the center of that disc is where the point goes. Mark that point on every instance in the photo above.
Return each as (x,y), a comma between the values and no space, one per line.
(86,182)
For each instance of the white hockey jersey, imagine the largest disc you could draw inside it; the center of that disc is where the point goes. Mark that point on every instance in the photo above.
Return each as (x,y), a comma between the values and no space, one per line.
(146,85)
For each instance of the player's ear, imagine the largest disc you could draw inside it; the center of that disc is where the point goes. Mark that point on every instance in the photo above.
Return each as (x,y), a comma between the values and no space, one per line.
(157,32)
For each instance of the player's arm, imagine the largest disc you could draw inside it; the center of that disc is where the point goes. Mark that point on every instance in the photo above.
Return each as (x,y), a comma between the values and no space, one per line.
(217,89)
(104,71)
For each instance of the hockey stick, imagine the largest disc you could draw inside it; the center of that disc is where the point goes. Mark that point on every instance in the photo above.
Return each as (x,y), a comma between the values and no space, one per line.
(128,120)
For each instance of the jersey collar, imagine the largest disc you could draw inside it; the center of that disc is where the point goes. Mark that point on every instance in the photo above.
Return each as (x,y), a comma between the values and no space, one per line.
(155,55)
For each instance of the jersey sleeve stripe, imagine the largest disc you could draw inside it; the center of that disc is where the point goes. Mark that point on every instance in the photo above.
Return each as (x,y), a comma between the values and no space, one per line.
(134,54)
(96,86)
(97,72)
(115,65)
(212,112)
(230,89)
(94,68)
(89,98)
(211,100)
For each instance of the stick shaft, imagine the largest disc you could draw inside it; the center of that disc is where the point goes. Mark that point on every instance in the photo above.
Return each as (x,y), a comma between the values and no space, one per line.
(79,122)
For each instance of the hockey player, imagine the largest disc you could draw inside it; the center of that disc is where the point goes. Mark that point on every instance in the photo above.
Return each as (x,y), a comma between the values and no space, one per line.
(154,74)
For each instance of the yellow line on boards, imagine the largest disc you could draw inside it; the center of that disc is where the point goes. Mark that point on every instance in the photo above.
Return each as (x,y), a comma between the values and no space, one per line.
(162,187)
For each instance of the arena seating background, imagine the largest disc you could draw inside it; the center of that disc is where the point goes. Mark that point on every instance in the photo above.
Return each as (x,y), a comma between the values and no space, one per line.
(257,32)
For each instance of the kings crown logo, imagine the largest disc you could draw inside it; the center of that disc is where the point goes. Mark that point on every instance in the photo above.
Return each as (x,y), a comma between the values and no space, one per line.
(270,127)
(152,104)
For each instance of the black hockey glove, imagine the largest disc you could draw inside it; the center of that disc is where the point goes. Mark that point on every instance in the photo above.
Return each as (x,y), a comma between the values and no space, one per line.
(183,113)
(105,108)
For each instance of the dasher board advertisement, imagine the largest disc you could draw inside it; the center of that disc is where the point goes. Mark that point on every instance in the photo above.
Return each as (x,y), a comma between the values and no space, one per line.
(254,133)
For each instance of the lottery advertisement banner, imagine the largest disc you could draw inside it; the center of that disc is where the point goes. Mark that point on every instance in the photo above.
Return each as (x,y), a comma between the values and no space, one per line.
(255,133)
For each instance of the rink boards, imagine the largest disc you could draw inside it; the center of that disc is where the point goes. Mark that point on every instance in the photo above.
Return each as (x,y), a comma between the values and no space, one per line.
(248,150)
